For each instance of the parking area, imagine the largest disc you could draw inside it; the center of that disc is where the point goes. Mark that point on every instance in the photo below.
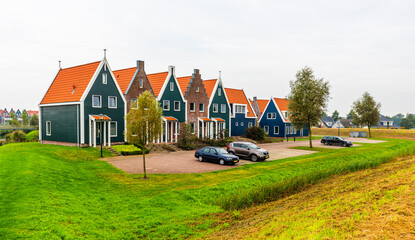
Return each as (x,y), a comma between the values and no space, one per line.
(185,162)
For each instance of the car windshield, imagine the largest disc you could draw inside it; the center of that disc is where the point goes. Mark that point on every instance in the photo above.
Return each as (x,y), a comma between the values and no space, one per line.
(221,151)
(340,138)
(253,146)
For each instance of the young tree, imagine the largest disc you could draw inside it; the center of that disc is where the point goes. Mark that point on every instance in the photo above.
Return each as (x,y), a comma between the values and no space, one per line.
(350,115)
(14,121)
(307,100)
(366,111)
(25,118)
(144,123)
(34,120)
(335,115)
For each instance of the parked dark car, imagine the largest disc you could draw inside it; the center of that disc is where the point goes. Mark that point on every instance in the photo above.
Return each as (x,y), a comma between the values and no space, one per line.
(248,150)
(217,155)
(333,140)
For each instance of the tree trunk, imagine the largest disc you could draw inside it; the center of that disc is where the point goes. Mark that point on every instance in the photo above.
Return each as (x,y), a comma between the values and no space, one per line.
(309,135)
(368,127)
(144,162)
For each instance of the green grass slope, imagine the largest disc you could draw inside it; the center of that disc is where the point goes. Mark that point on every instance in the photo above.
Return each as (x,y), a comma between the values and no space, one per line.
(54,192)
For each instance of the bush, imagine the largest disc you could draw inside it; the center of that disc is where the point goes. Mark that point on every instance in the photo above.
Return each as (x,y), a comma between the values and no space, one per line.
(255,133)
(168,147)
(186,140)
(128,150)
(33,136)
(8,137)
(19,136)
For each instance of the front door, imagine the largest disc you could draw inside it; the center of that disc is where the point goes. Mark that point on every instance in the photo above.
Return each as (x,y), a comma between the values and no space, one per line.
(98,132)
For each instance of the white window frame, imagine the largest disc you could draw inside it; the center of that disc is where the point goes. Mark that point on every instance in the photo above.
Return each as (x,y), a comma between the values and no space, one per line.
(48,129)
(287,130)
(116,129)
(242,124)
(266,129)
(190,107)
(178,109)
(223,108)
(217,106)
(278,130)
(192,127)
(136,103)
(171,86)
(197,89)
(109,101)
(236,124)
(220,92)
(168,105)
(273,115)
(100,101)
(249,124)
(203,107)
(141,83)
(104,78)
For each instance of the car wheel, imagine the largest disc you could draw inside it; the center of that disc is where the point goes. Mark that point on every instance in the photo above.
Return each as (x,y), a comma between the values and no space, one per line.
(232,153)
(344,145)
(326,143)
(222,162)
(200,158)
(254,158)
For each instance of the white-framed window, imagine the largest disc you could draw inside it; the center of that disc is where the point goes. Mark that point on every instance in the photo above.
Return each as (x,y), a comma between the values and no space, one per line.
(272,115)
(166,105)
(112,102)
(215,107)
(171,86)
(104,78)
(192,106)
(220,92)
(134,103)
(113,129)
(249,124)
(197,89)
(141,83)
(242,124)
(201,107)
(287,130)
(192,127)
(236,123)
(176,106)
(286,114)
(266,129)
(223,108)
(48,128)
(276,130)
(105,67)
(292,129)
(96,101)
(240,109)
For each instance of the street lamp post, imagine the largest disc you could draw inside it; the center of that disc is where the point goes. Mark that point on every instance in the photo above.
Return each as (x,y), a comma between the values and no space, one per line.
(100,131)
(338,129)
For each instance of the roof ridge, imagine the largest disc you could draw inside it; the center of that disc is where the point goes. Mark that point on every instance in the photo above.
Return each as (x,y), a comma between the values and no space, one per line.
(123,69)
(79,65)
(234,89)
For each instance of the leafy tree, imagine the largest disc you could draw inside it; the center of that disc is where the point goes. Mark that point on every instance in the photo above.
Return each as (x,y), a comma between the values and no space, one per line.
(144,123)
(25,118)
(350,115)
(397,118)
(256,133)
(307,100)
(34,120)
(366,111)
(335,115)
(408,122)
(14,121)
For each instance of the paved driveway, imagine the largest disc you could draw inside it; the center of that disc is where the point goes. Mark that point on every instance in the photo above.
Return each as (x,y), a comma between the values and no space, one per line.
(185,162)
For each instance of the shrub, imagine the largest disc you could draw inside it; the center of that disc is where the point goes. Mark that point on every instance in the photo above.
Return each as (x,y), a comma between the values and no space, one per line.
(186,140)
(128,150)
(255,133)
(168,147)
(19,136)
(33,136)
(8,137)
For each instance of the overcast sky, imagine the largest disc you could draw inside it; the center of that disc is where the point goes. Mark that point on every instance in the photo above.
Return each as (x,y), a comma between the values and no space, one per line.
(259,46)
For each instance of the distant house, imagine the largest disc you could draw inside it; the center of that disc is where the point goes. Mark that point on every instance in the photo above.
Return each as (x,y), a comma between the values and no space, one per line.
(83,106)
(344,123)
(385,122)
(326,122)
(259,106)
(242,114)
(30,113)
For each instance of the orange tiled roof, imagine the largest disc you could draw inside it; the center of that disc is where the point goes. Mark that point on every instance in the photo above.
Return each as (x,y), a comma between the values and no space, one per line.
(184,83)
(262,104)
(156,81)
(98,117)
(31,113)
(238,96)
(170,118)
(68,79)
(124,77)
(206,119)
(282,103)
(209,85)
(218,119)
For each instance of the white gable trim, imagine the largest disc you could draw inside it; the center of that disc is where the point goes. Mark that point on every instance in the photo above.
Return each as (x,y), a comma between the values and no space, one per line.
(58,104)
(163,88)
(265,110)
(131,81)
(279,111)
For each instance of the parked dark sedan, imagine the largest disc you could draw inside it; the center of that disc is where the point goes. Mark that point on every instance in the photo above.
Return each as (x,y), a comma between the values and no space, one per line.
(217,155)
(333,140)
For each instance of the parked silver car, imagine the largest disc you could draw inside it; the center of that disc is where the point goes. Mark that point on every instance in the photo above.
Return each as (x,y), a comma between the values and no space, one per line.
(249,150)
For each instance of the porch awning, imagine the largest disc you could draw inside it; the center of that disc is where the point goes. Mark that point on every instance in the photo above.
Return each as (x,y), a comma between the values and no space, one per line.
(205,119)
(218,120)
(171,119)
(100,117)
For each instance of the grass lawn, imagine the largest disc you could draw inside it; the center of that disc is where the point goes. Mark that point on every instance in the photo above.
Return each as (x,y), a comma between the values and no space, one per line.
(54,192)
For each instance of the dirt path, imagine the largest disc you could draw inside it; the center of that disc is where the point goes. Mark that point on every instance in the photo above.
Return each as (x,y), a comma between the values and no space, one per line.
(371,204)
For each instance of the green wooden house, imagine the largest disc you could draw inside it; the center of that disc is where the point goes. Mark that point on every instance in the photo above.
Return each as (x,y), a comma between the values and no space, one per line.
(84,106)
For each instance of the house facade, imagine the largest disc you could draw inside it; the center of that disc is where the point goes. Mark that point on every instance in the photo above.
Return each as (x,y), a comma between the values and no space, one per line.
(168,93)
(197,103)
(242,113)
(275,120)
(219,113)
(84,106)
(326,122)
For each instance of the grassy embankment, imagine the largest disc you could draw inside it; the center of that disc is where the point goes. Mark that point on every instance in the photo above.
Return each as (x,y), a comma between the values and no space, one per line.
(376,133)
(61,192)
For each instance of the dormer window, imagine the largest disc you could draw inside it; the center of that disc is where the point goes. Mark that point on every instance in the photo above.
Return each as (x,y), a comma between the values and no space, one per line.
(141,83)
(104,78)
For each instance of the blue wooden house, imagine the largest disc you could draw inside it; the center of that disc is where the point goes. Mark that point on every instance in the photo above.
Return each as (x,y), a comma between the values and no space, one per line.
(84,106)
(242,114)
(276,122)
